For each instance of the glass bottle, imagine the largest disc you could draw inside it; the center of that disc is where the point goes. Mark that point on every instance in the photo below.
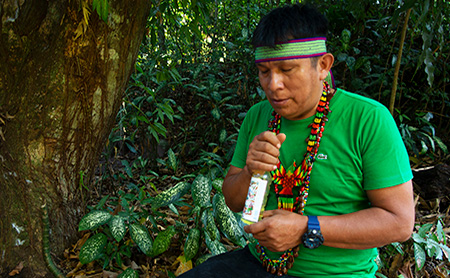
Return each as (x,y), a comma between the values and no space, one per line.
(257,195)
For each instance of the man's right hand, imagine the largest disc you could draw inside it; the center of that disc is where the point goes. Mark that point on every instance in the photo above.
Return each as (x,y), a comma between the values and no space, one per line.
(262,156)
(263,152)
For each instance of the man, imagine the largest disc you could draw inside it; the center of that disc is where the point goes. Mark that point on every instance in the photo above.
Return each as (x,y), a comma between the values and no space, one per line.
(336,196)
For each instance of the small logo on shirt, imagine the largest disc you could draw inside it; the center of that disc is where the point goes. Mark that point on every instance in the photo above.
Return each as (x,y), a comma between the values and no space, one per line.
(322,156)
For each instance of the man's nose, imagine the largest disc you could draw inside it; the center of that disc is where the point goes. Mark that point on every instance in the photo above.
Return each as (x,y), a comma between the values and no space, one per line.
(275,82)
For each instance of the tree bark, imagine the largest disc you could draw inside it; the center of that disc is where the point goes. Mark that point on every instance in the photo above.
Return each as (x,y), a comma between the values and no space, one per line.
(60,90)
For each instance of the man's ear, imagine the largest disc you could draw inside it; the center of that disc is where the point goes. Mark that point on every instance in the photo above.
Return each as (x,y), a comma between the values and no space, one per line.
(324,65)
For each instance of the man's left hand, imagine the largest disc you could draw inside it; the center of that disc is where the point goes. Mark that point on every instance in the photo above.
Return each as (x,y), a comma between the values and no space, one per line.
(279,230)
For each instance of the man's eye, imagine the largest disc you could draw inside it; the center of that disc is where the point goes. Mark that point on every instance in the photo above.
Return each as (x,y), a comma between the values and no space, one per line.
(263,71)
(286,70)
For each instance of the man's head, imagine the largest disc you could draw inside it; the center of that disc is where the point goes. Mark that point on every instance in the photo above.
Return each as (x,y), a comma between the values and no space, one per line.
(289,22)
(292,60)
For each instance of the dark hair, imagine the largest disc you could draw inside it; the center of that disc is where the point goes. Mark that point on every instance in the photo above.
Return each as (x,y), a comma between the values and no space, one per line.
(290,22)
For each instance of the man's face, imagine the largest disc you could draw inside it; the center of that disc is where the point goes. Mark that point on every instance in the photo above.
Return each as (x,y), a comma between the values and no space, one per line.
(293,87)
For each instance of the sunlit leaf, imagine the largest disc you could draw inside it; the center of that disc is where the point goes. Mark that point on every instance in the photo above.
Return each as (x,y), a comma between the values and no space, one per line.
(92,248)
(192,244)
(172,159)
(170,195)
(93,220)
(162,241)
(419,255)
(141,237)
(117,226)
(129,273)
(201,191)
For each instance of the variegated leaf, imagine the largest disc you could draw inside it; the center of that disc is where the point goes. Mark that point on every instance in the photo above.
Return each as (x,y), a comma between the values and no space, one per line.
(172,159)
(227,221)
(170,195)
(214,246)
(222,136)
(117,226)
(216,113)
(419,255)
(162,241)
(129,273)
(210,225)
(201,191)
(93,220)
(92,248)
(192,244)
(141,237)
(203,258)
(217,184)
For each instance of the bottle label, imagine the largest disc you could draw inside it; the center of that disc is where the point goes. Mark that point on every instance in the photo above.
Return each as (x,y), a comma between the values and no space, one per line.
(255,199)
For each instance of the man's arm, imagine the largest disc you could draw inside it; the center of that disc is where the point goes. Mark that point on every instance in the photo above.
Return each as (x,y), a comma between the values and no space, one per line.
(390,219)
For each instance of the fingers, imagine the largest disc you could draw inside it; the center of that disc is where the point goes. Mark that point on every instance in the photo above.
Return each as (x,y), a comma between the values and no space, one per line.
(264,151)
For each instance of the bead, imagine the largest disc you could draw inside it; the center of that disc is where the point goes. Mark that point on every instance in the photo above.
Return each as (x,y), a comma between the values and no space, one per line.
(264,264)
(280,271)
(273,270)
(291,259)
(289,265)
(284,270)
(258,248)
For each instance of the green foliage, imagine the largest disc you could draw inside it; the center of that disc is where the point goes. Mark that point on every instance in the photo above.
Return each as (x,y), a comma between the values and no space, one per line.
(228,223)
(93,220)
(162,241)
(102,8)
(115,235)
(129,273)
(170,195)
(192,244)
(110,243)
(421,140)
(93,248)
(430,240)
(201,191)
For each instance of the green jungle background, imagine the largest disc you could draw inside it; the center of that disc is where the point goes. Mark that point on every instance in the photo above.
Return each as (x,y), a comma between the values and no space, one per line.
(162,168)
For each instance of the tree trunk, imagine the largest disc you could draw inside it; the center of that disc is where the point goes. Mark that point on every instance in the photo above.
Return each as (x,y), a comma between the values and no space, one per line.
(61,83)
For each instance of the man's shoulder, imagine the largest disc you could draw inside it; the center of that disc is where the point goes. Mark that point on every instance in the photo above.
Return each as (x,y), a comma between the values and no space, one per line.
(360,100)
(262,107)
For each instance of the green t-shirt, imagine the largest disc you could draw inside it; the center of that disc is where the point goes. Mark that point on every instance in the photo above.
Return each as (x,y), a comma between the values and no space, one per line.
(361,149)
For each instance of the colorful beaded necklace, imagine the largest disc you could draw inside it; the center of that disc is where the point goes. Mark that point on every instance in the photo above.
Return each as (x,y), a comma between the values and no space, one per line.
(295,176)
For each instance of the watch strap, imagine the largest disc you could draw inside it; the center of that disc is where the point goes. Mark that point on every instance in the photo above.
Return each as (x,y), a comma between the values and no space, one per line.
(313,223)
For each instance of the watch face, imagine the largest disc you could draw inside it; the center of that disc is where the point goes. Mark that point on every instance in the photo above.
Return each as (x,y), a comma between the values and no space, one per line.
(312,239)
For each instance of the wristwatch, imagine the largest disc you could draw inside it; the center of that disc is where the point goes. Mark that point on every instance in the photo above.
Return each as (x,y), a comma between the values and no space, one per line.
(313,237)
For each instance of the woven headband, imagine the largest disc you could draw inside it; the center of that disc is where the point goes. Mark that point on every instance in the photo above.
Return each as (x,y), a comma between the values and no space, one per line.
(292,49)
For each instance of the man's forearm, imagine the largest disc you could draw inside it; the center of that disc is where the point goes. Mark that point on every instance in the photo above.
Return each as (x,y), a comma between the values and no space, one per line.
(235,187)
(373,227)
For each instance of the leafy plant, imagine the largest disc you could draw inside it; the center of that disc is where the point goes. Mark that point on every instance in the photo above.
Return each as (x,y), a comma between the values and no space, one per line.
(133,220)
(116,232)
(421,140)
(430,241)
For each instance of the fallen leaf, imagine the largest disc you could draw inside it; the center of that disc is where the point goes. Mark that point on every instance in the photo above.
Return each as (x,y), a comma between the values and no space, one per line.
(109,274)
(184,266)
(405,270)
(16,270)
